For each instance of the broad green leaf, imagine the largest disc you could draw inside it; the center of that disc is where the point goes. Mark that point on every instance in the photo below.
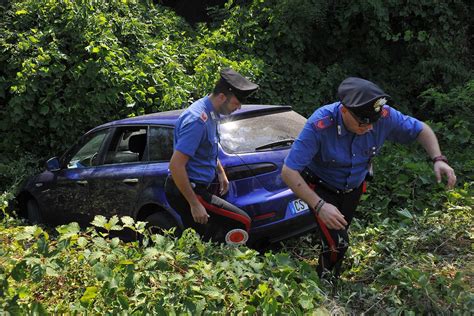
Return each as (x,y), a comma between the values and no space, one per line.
(42,246)
(37,273)
(123,300)
(29,232)
(38,309)
(19,272)
(127,220)
(306,302)
(405,213)
(112,224)
(82,242)
(99,221)
(89,295)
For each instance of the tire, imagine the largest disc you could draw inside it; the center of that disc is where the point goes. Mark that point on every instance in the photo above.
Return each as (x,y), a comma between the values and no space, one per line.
(161,221)
(33,213)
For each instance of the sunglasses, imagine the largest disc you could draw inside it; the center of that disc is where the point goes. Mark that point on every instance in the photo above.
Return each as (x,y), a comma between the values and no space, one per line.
(361,123)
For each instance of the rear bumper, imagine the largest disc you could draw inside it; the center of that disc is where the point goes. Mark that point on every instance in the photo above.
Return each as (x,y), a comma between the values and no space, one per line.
(284,229)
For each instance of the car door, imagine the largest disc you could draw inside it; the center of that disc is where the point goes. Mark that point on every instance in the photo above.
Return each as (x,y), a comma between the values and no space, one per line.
(116,183)
(66,196)
(160,152)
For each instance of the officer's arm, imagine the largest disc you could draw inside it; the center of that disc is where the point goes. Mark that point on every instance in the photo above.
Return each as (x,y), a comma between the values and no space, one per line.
(219,168)
(296,183)
(329,214)
(428,140)
(223,181)
(178,171)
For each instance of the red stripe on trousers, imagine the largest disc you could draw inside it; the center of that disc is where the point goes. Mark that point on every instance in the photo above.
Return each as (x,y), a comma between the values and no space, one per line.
(332,244)
(226,213)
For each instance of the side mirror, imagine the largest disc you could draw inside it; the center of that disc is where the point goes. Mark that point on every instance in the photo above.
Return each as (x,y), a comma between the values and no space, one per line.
(53,164)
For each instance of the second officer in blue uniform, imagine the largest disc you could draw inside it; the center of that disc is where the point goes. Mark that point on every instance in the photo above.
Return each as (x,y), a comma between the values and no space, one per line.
(331,158)
(194,164)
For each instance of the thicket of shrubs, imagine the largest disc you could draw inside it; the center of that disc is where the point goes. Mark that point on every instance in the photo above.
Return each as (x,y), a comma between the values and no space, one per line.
(67,66)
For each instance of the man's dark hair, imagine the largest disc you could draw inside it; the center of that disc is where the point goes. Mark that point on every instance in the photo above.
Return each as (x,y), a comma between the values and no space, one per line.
(221,87)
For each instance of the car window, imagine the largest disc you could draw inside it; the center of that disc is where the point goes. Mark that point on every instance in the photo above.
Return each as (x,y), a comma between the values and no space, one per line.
(87,154)
(249,134)
(128,144)
(161,143)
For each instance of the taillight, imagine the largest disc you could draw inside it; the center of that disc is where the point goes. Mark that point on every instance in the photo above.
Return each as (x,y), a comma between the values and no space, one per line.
(261,217)
(247,171)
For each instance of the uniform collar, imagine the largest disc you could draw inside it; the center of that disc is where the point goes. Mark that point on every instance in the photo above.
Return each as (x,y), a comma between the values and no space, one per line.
(341,128)
(210,108)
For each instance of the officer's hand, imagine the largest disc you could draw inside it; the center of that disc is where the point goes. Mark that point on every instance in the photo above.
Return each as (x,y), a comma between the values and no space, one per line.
(331,216)
(223,183)
(199,213)
(441,168)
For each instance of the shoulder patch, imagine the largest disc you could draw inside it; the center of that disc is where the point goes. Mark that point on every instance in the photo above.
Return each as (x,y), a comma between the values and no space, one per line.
(323,123)
(385,112)
(204,116)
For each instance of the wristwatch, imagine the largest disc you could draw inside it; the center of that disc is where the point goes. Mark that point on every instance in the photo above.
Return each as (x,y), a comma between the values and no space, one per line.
(439,158)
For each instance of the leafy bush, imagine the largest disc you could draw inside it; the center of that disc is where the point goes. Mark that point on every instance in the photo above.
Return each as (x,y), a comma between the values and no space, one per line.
(68,66)
(309,46)
(83,271)
(405,263)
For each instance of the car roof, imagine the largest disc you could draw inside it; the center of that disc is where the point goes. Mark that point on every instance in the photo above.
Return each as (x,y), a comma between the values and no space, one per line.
(170,117)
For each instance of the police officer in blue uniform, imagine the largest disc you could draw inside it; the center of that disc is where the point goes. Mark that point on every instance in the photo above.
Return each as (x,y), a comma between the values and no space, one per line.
(331,158)
(194,164)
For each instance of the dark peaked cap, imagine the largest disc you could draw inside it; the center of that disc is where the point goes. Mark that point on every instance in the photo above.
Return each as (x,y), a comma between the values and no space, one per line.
(362,97)
(240,86)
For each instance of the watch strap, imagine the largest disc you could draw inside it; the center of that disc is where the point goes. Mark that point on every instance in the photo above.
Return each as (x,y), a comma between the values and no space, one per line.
(439,158)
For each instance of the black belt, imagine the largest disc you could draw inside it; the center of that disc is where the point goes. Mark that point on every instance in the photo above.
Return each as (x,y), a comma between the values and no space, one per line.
(310,177)
(199,185)
(194,184)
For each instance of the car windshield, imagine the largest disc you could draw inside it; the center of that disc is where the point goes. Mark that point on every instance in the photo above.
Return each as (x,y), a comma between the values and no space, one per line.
(264,132)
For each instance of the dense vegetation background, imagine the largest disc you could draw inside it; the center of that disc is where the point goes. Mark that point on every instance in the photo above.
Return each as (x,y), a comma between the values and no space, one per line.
(67,66)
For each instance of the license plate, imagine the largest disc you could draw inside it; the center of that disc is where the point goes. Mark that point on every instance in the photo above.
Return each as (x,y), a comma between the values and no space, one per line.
(298,206)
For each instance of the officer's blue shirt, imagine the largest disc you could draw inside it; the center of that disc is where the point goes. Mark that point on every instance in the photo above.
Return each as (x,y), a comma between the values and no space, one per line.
(195,135)
(339,157)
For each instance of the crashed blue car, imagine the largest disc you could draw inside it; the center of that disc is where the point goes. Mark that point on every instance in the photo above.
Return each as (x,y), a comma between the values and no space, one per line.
(120,168)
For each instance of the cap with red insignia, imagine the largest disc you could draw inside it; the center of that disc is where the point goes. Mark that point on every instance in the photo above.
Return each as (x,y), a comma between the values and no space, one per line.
(240,86)
(363,98)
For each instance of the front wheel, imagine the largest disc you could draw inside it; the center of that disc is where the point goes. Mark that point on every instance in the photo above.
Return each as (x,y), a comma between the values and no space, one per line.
(33,212)
(161,221)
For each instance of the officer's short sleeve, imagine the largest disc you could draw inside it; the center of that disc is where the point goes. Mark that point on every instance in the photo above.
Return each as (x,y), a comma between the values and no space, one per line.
(189,136)
(403,128)
(303,149)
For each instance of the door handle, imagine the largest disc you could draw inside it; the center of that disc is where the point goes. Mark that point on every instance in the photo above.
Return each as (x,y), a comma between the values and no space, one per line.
(130,181)
(82,182)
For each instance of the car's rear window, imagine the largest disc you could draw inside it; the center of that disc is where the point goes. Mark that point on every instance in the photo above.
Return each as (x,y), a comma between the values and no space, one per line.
(248,134)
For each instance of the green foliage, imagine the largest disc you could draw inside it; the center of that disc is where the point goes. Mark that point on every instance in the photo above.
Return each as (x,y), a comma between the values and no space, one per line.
(309,46)
(406,262)
(12,173)
(67,66)
(80,271)
(409,262)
